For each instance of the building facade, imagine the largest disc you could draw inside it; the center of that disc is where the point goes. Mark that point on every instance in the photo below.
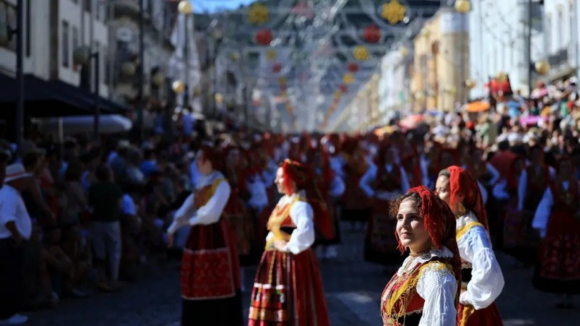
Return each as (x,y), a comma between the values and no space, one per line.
(52,32)
(394,84)
(441,62)
(498,42)
(560,38)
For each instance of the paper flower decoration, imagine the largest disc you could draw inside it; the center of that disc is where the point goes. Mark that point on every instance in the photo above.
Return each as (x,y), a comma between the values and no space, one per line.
(258,14)
(361,53)
(393,12)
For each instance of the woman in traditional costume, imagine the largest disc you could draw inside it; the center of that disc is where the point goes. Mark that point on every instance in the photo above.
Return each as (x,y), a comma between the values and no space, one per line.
(482,278)
(521,240)
(288,288)
(235,213)
(424,290)
(383,182)
(210,272)
(356,206)
(558,221)
(331,187)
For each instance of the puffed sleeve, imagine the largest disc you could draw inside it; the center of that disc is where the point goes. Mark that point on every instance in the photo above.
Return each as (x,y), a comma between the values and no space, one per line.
(483,192)
(366,179)
(181,215)
(438,287)
(405,186)
(337,188)
(303,236)
(543,211)
(487,280)
(522,187)
(494,174)
(212,211)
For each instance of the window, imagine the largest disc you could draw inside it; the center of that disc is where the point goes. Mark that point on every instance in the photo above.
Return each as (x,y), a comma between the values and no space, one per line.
(97,48)
(65,45)
(548,33)
(28,47)
(8,18)
(561,23)
(107,66)
(88,5)
(75,38)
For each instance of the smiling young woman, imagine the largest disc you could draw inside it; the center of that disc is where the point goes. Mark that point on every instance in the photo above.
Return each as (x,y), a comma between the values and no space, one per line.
(424,291)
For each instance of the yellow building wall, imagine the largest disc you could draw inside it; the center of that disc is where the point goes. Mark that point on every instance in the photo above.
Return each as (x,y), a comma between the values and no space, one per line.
(441,60)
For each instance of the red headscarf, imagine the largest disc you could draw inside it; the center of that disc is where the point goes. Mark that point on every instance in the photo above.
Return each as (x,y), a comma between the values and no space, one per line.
(303,179)
(439,221)
(461,183)
(214,156)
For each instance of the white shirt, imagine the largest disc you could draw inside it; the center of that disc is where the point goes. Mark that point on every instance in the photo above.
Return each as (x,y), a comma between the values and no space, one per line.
(371,175)
(544,210)
(437,286)
(487,280)
(209,213)
(12,209)
(302,216)
(128,205)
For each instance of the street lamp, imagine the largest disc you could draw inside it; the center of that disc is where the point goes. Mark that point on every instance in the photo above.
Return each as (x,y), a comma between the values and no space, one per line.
(462,6)
(83,57)
(185,7)
(178,86)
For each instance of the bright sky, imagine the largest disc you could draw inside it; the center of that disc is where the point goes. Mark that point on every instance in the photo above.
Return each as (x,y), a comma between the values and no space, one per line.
(212,5)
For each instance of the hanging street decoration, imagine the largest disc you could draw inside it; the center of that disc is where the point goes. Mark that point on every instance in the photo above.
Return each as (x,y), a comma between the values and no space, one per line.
(258,14)
(352,67)
(393,12)
(372,34)
(348,79)
(264,37)
(276,68)
(361,53)
(271,55)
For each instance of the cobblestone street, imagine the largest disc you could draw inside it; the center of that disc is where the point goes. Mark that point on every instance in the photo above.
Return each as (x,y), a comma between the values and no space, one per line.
(353,290)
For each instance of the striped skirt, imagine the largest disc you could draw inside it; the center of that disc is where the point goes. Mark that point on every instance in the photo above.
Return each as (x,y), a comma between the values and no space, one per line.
(288,291)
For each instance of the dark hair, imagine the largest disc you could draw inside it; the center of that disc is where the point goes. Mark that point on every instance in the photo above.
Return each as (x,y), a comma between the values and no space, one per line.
(103,173)
(30,159)
(394,206)
(74,171)
(444,173)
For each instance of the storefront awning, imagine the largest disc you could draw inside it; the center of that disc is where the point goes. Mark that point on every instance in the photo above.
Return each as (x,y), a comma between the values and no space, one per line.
(50,99)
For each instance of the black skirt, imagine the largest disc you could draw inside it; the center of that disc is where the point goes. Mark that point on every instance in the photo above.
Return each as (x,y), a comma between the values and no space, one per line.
(220,312)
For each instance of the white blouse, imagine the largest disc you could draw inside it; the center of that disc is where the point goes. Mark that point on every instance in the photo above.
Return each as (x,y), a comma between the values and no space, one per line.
(437,286)
(207,214)
(487,280)
(371,175)
(302,216)
(544,210)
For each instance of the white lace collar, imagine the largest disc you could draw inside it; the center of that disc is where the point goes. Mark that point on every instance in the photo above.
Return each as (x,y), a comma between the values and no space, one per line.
(208,179)
(287,199)
(411,262)
(463,220)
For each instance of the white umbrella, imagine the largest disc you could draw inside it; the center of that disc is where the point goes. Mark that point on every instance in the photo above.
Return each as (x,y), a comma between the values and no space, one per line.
(108,124)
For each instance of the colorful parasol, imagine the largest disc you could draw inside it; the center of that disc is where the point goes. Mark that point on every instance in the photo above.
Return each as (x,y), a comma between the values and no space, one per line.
(476,107)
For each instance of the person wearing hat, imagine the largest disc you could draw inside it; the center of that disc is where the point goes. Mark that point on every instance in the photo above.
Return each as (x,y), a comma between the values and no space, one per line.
(15,228)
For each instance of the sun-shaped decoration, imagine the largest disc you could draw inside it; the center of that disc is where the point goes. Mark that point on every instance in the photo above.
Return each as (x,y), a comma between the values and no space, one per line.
(361,53)
(271,55)
(393,12)
(258,14)
(348,79)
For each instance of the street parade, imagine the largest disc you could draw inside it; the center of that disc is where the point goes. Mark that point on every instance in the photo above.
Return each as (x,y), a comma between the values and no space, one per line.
(289,163)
